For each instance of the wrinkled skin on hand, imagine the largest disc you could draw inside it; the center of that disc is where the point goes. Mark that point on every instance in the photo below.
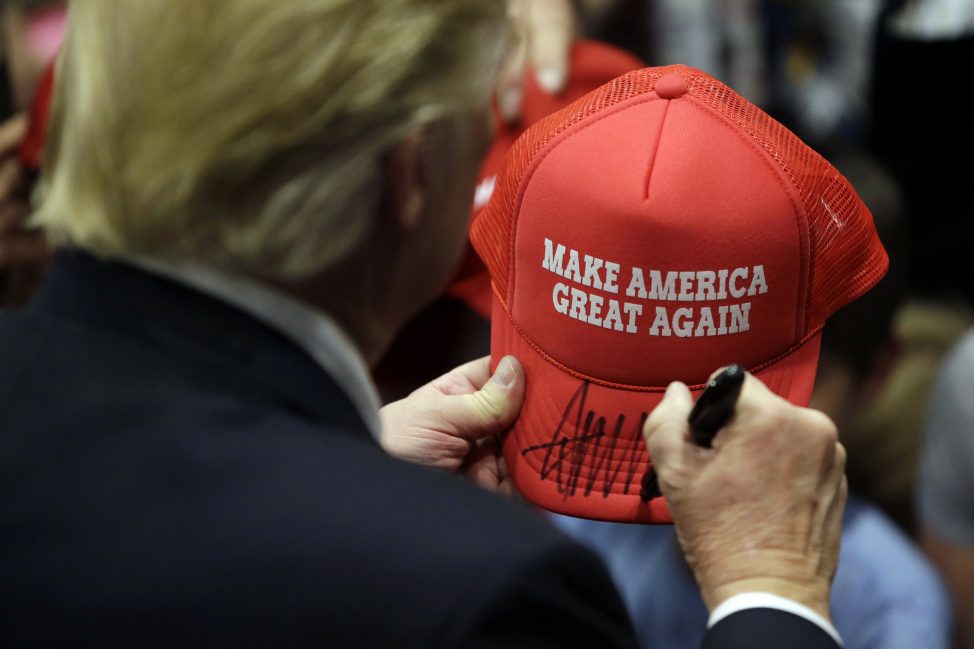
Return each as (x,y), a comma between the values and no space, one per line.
(452,423)
(762,509)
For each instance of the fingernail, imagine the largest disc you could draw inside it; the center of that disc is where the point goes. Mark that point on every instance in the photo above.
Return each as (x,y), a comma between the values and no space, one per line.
(716,372)
(504,375)
(509,103)
(550,79)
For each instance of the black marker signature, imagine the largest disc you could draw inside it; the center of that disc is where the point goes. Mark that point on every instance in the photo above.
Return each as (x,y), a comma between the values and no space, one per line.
(564,456)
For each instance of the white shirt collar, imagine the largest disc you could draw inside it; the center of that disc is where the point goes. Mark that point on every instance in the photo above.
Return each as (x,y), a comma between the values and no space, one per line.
(312,330)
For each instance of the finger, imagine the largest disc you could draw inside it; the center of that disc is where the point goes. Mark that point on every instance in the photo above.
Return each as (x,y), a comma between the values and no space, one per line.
(510,91)
(481,466)
(755,400)
(832,471)
(754,388)
(666,429)
(717,371)
(506,488)
(492,408)
(758,412)
(551,27)
(464,379)
(506,485)
(510,79)
(820,436)
(12,132)
(835,478)
(832,478)
(840,458)
(504,474)
(830,519)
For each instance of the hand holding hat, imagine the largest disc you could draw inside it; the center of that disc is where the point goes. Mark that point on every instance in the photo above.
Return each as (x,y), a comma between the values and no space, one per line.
(728,501)
(452,422)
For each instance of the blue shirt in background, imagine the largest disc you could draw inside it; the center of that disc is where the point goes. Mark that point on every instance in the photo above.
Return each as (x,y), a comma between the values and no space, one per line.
(885,595)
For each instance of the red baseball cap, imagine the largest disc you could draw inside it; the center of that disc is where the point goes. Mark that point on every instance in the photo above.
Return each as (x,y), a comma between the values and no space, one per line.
(654,230)
(590,65)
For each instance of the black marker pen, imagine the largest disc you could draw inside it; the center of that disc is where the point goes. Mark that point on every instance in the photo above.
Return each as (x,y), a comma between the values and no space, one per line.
(713,409)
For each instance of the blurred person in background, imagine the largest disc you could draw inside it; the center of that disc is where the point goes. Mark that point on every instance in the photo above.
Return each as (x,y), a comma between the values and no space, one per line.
(456,327)
(251,198)
(807,63)
(885,434)
(946,486)
(874,605)
(927,141)
(30,34)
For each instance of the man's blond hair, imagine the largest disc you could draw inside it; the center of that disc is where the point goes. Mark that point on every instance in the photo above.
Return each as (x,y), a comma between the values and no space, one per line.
(249,134)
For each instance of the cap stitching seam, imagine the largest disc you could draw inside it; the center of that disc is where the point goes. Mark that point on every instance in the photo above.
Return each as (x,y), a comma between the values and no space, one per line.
(798,207)
(659,140)
(555,143)
(545,152)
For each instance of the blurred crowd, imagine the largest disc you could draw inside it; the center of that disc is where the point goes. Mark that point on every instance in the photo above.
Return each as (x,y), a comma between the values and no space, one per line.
(879,87)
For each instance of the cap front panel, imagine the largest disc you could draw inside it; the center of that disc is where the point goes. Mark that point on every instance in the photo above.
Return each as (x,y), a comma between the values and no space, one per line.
(655,242)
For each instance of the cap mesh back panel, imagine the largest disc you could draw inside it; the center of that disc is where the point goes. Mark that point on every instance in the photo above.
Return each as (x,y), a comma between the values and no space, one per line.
(846,255)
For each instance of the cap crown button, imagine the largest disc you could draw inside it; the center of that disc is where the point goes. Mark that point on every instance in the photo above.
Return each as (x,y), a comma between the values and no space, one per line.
(671,86)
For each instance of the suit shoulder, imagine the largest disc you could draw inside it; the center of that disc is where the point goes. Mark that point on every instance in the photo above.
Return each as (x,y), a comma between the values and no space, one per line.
(369,490)
(346,529)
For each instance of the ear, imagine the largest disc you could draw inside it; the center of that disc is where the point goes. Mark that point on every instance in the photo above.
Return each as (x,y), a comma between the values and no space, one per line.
(406,183)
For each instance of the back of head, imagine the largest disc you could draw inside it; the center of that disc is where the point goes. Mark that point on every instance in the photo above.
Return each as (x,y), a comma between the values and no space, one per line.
(248,135)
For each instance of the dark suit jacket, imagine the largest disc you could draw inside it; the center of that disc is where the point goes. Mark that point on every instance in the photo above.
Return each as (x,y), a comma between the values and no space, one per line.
(174,473)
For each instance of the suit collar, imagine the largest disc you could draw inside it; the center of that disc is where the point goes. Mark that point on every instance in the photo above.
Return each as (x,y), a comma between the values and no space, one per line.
(311,330)
(188,322)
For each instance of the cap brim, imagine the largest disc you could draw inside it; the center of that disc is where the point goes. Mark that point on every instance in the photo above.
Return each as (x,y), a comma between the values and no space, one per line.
(577,447)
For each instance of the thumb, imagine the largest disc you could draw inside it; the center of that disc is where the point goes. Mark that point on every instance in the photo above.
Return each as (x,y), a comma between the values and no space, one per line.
(552,28)
(666,430)
(492,408)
